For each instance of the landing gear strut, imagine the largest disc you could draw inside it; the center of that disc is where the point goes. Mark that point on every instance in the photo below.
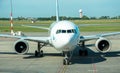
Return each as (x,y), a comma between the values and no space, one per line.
(83,51)
(67,60)
(39,52)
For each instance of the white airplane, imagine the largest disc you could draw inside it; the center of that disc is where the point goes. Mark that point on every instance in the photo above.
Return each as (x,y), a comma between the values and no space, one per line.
(64,36)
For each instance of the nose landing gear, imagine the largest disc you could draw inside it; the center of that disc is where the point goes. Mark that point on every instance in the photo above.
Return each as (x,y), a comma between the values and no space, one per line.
(67,59)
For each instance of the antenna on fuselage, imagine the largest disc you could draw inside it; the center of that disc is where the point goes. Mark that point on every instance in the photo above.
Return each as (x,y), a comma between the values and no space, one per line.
(57,11)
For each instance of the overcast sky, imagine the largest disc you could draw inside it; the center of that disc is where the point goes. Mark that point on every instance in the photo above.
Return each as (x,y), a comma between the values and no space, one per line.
(46,8)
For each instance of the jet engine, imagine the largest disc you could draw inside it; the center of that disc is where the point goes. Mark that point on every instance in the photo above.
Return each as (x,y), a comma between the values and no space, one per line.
(103,45)
(21,46)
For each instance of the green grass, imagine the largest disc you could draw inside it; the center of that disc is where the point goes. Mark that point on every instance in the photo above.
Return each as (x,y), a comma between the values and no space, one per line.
(25,22)
(106,25)
(103,21)
(100,28)
(20,28)
(108,21)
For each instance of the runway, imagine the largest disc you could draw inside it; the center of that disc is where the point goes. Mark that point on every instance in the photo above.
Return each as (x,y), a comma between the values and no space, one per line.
(52,61)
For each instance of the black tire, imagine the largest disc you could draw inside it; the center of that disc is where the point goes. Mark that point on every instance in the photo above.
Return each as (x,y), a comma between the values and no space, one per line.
(41,53)
(66,61)
(36,53)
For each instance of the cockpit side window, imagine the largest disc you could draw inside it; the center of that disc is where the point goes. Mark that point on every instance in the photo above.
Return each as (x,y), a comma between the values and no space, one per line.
(73,31)
(58,31)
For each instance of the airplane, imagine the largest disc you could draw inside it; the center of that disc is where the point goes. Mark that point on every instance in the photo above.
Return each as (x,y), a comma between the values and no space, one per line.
(64,37)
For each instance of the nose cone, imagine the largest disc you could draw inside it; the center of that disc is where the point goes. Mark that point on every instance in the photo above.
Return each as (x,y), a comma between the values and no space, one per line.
(64,42)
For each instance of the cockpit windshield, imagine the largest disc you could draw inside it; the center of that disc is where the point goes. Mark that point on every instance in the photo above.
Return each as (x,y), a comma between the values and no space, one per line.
(66,31)
(63,31)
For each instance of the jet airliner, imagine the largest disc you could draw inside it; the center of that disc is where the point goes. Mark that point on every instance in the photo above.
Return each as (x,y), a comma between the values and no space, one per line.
(64,37)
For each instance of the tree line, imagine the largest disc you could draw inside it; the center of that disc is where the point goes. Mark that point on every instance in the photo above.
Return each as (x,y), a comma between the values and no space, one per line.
(62,18)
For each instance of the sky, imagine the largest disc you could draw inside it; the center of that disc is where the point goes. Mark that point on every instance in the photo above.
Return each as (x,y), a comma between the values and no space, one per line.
(69,8)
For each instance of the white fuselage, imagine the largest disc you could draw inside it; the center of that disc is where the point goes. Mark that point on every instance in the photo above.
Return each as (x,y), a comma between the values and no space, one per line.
(64,35)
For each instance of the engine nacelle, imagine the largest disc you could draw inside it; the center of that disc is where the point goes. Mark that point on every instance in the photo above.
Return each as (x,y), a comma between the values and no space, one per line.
(103,45)
(21,47)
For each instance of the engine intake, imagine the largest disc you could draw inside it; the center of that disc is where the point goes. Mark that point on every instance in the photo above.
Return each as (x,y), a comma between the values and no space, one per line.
(21,47)
(103,45)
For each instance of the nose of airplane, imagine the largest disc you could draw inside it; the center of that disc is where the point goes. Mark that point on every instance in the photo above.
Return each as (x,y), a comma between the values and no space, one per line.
(65,42)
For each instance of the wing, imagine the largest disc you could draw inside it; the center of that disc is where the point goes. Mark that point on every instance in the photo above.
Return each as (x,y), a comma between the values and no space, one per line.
(84,25)
(40,27)
(35,39)
(91,37)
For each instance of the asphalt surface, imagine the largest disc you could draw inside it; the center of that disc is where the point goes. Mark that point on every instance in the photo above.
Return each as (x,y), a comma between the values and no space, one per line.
(52,61)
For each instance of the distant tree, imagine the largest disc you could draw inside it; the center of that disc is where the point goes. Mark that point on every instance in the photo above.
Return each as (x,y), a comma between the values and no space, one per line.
(43,19)
(53,17)
(21,18)
(93,18)
(104,17)
(4,18)
(118,17)
(63,18)
(70,18)
(85,17)
(114,17)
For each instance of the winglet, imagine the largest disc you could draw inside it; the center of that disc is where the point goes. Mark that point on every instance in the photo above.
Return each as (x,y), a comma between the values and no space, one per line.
(57,11)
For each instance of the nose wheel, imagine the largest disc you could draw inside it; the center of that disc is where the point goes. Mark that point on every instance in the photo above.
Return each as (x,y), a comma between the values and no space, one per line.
(67,60)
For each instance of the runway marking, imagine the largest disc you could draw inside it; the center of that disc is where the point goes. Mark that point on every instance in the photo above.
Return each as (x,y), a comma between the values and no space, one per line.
(62,69)
(92,70)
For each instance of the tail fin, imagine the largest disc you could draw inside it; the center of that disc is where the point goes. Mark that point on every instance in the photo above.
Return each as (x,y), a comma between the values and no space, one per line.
(57,11)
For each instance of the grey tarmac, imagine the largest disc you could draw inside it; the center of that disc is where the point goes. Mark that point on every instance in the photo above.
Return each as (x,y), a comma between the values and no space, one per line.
(52,61)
